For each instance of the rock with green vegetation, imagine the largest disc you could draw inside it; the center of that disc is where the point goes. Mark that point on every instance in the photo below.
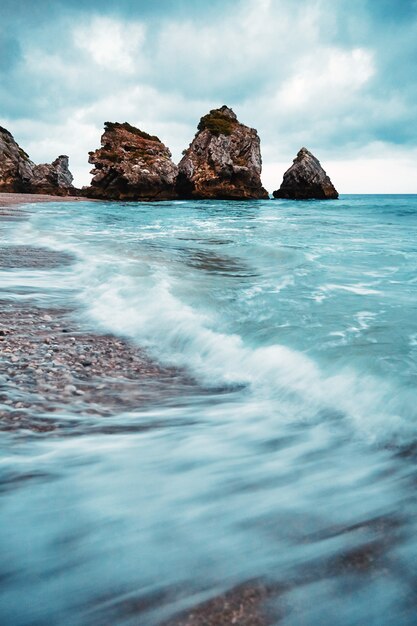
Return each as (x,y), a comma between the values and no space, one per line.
(223,161)
(18,174)
(306,180)
(131,165)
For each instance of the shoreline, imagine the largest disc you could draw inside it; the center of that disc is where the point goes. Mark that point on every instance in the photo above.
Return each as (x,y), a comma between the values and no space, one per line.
(54,365)
(53,368)
(60,379)
(13,199)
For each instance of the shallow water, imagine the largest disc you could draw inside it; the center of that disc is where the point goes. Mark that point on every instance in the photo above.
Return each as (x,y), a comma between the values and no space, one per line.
(301,471)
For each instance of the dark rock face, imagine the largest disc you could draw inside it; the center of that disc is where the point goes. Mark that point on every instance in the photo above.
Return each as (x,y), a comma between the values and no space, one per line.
(223,161)
(131,165)
(18,174)
(306,179)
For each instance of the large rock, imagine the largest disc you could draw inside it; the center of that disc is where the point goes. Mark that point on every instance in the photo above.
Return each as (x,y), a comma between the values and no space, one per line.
(16,169)
(306,179)
(131,165)
(223,161)
(50,177)
(18,174)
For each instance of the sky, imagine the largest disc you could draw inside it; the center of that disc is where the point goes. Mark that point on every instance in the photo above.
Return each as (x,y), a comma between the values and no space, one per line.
(336,76)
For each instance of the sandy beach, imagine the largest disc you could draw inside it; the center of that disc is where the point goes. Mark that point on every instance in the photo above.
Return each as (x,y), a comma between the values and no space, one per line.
(11,199)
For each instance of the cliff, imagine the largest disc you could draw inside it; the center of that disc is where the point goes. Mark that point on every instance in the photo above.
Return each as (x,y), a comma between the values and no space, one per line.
(19,174)
(223,161)
(131,165)
(306,179)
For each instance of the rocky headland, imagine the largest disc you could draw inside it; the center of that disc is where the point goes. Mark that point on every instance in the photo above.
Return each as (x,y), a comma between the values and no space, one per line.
(223,161)
(306,180)
(18,174)
(131,165)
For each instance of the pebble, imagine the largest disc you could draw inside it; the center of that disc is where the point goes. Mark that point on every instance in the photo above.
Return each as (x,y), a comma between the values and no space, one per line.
(50,370)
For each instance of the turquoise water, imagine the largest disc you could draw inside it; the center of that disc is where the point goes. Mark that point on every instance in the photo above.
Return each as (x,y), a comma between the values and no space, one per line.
(298,467)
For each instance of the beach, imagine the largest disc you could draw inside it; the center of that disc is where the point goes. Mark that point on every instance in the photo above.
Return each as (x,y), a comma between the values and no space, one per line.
(49,362)
(12,199)
(207,412)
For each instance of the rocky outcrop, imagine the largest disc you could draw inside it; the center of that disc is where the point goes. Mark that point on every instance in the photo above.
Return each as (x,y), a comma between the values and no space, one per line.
(18,174)
(16,169)
(306,179)
(131,165)
(223,161)
(47,178)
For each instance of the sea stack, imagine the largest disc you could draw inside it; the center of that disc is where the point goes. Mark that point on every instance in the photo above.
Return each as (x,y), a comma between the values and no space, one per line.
(131,165)
(223,161)
(18,174)
(306,180)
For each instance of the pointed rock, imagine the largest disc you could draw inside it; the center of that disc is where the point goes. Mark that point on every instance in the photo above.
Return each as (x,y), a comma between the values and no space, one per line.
(54,178)
(131,165)
(223,161)
(19,174)
(306,179)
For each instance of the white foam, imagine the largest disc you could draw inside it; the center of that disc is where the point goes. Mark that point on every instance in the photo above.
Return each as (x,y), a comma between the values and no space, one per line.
(289,382)
(138,300)
(361,289)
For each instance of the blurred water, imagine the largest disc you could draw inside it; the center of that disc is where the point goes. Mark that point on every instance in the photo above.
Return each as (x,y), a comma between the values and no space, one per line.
(301,472)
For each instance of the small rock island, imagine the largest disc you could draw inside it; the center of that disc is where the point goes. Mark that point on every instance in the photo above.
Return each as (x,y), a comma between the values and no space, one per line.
(18,174)
(131,165)
(223,161)
(306,180)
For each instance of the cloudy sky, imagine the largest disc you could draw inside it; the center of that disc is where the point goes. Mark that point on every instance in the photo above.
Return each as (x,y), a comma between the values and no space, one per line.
(338,76)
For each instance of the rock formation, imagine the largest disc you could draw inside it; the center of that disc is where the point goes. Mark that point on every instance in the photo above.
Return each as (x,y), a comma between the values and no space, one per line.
(131,165)
(56,176)
(20,175)
(223,161)
(305,180)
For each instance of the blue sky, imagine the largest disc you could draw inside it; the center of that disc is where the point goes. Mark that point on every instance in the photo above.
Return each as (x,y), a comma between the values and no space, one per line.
(336,76)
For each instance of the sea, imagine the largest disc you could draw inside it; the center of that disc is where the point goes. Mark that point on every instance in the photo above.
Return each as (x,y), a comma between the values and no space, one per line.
(293,462)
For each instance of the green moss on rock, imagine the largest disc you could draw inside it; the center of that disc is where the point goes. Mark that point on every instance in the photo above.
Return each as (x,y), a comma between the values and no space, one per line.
(217,123)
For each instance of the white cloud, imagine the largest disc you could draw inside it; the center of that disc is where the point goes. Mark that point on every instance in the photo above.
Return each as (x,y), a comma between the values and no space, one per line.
(276,62)
(112,44)
(331,76)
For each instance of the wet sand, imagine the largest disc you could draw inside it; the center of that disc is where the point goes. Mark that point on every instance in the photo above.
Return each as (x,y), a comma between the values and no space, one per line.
(11,199)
